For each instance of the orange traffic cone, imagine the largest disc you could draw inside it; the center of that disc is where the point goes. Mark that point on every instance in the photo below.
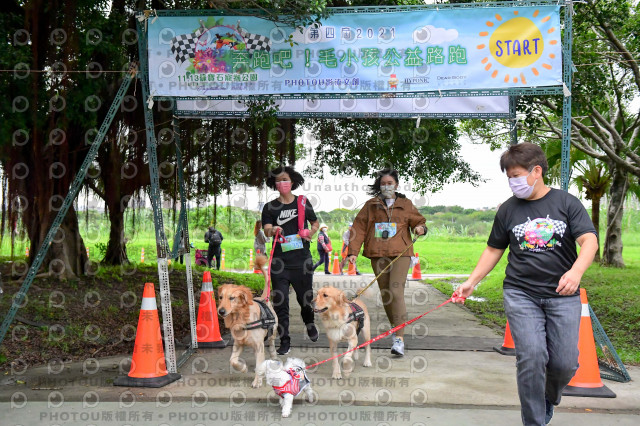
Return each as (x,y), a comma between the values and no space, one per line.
(417,273)
(207,327)
(222,261)
(336,265)
(352,269)
(148,367)
(586,381)
(250,258)
(508,347)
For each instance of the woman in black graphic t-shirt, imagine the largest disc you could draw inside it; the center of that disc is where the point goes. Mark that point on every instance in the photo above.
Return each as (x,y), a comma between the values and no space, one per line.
(292,263)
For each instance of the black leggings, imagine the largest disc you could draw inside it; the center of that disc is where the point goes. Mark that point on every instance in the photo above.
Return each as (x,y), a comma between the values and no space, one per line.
(302,283)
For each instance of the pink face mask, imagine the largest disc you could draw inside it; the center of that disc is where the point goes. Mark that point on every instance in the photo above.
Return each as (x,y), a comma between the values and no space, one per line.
(284,187)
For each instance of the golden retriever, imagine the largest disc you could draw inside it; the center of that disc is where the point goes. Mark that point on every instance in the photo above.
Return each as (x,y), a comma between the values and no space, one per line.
(334,310)
(238,308)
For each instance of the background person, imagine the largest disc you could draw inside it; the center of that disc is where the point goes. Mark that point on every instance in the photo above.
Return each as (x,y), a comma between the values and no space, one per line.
(260,248)
(384,225)
(541,226)
(324,249)
(292,263)
(345,249)
(214,238)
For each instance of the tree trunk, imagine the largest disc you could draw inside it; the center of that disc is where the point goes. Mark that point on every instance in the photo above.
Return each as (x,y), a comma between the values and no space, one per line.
(67,254)
(595,218)
(116,247)
(121,179)
(612,252)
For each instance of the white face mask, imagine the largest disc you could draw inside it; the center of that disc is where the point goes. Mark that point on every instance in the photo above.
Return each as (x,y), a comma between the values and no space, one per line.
(520,187)
(388,191)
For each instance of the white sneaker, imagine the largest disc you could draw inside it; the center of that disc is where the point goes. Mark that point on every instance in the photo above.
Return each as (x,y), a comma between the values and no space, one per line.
(398,347)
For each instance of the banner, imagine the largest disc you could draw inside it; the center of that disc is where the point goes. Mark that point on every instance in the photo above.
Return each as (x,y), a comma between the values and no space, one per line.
(370,52)
(350,107)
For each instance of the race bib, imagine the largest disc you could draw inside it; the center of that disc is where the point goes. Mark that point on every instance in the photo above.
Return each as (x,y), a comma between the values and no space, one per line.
(389,227)
(291,242)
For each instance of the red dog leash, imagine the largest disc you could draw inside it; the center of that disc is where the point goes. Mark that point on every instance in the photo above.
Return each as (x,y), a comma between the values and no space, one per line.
(388,332)
(276,239)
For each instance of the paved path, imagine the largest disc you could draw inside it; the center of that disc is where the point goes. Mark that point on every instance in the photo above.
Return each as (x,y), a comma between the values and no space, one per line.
(450,375)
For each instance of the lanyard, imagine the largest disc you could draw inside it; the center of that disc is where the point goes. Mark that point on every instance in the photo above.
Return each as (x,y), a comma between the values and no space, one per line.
(389,212)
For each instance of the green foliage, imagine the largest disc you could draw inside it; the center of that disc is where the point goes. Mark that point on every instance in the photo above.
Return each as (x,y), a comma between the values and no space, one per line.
(429,154)
(454,220)
(102,248)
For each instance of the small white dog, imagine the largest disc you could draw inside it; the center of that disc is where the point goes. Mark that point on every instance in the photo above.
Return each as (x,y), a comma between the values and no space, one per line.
(288,380)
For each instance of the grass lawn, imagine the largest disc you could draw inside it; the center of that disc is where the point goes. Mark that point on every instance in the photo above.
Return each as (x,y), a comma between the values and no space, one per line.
(614,294)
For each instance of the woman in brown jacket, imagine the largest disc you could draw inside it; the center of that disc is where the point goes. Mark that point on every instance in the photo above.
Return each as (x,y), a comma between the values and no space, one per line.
(384,225)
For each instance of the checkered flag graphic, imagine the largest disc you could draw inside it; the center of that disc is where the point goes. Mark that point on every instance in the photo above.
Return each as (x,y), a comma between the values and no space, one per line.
(255,41)
(558,227)
(518,230)
(184,46)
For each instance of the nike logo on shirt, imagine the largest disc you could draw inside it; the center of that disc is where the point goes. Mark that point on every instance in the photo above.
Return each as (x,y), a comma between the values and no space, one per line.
(282,219)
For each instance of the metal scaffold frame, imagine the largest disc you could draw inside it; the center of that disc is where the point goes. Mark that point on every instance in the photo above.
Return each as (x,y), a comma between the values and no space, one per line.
(512,93)
(181,242)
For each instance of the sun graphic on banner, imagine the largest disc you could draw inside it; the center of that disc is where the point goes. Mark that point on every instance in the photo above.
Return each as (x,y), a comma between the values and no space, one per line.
(515,47)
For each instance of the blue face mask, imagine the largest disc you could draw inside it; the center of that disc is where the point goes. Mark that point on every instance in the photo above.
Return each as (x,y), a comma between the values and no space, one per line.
(520,187)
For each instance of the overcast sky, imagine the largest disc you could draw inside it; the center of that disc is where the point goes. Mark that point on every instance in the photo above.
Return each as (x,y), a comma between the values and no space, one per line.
(349,192)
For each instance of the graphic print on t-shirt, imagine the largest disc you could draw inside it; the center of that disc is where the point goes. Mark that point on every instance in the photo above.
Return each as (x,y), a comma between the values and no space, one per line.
(286,216)
(540,234)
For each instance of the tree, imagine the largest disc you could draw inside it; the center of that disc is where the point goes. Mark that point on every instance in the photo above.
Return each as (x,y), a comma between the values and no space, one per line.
(603,124)
(594,181)
(44,118)
(208,173)
(49,112)
(428,154)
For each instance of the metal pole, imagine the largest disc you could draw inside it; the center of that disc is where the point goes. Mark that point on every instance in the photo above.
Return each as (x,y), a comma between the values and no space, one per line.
(156,204)
(513,130)
(565,172)
(184,217)
(18,299)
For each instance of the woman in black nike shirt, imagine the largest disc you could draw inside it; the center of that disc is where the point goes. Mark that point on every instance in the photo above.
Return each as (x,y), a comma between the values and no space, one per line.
(292,263)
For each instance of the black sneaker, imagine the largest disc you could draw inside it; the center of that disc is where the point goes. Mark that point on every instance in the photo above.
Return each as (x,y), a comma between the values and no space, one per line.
(312,332)
(285,347)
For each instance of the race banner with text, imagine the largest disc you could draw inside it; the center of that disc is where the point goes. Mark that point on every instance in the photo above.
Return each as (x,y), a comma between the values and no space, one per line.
(381,52)
(351,107)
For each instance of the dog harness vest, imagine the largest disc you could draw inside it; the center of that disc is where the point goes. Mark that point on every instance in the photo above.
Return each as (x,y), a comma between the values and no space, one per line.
(266,321)
(295,385)
(357,314)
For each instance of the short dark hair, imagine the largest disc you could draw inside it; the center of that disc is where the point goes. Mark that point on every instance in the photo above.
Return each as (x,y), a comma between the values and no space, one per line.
(374,190)
(296,178)
(526,155)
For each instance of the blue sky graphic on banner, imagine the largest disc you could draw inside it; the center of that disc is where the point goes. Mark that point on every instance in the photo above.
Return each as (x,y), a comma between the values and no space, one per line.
(399,51)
